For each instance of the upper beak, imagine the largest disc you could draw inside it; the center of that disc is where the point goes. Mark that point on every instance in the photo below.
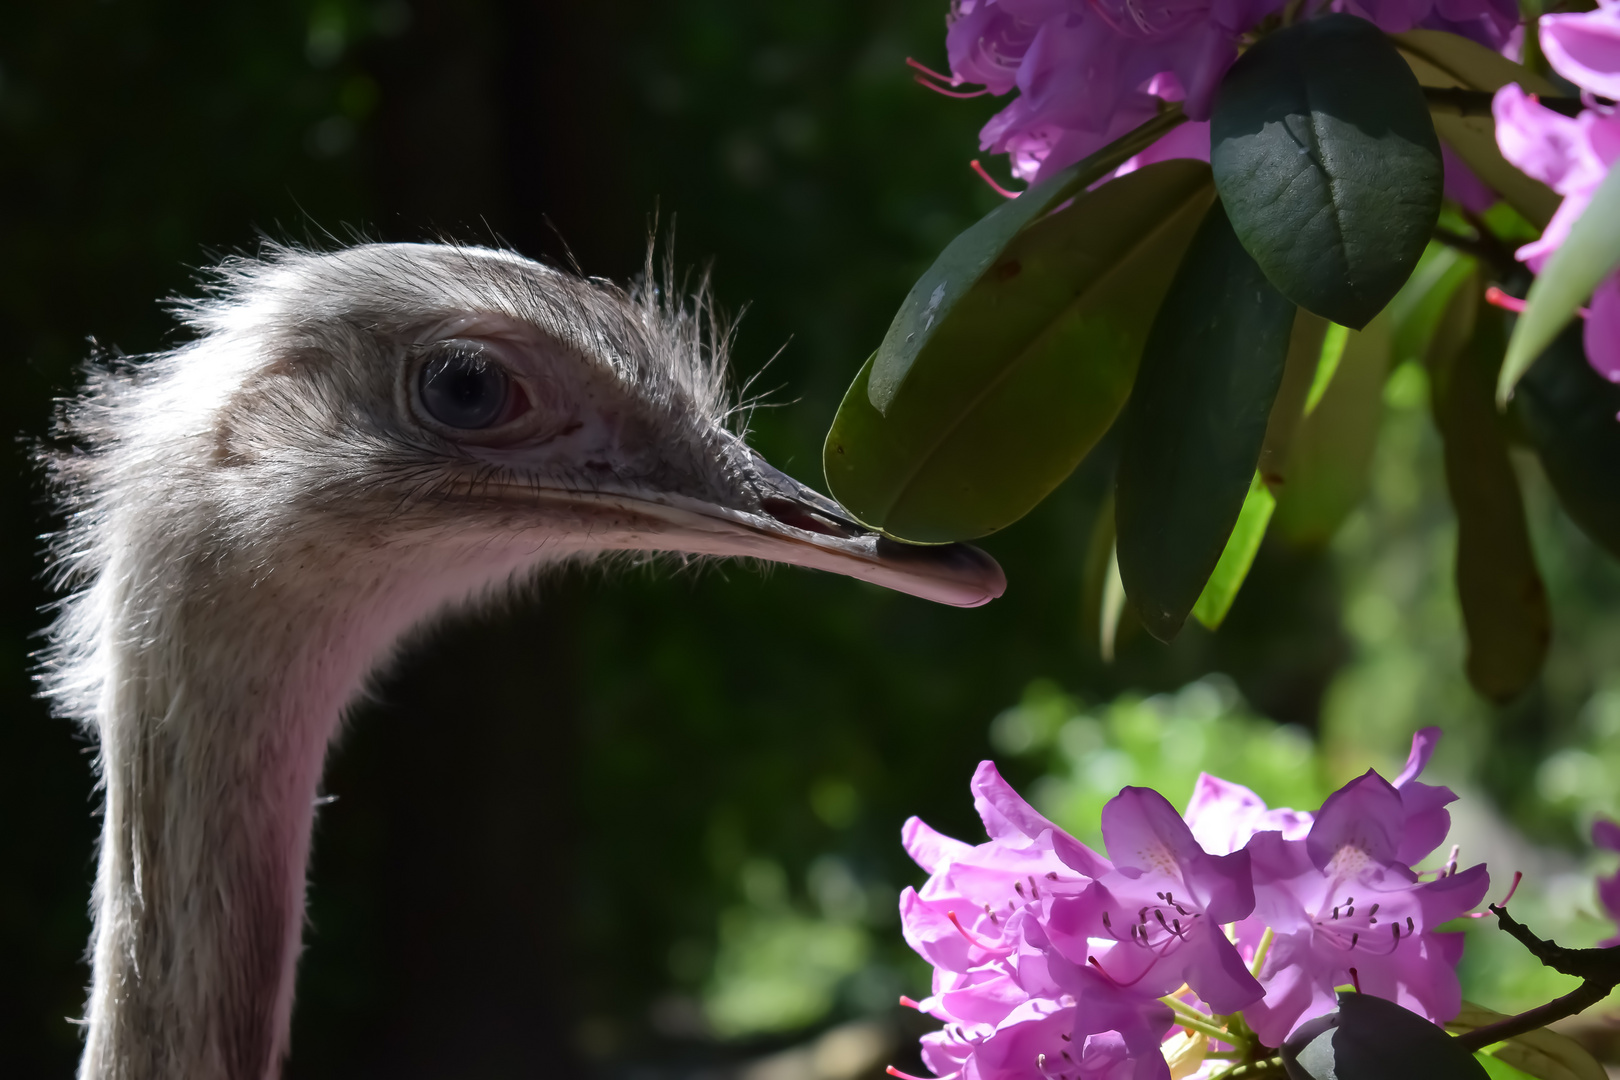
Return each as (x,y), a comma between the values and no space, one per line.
(769,515)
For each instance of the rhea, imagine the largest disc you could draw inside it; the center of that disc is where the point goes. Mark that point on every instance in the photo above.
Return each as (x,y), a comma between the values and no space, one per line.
(351,444)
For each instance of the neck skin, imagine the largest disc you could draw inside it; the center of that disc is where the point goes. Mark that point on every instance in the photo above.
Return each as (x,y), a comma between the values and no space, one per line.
(218,696)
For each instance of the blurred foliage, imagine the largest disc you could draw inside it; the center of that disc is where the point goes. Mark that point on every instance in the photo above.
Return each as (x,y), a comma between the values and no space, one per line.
(649,825)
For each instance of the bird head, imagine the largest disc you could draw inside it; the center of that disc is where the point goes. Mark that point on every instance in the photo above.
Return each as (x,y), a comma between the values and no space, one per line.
(477,405)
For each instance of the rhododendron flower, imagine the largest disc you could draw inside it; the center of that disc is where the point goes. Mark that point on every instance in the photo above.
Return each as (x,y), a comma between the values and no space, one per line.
(1572,155)
(1606,835)
(1344,898)
(1088,71)
(1052,961)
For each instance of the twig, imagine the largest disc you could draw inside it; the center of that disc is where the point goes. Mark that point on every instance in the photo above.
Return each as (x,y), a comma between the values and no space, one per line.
(1599,968)
(1464,102)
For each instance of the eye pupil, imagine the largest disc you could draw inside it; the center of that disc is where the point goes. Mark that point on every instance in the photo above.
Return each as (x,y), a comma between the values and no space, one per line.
(460,388)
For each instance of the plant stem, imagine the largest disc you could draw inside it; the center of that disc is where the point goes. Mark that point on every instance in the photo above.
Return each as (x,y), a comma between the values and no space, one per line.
(1463,102)
(1260,951)
(1263,1069)
(1598,968)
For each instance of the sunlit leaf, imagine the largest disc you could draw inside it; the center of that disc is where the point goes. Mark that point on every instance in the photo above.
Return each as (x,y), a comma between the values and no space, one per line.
(1587,256)
(1503,599)
(1451,60)
(1569,413)
(1370,1038)
(1332,452)
(1028,370)
(1418,309)
(1197,417)
(1540,1053)
(1299,379)
(1241,547)
(1094,573)
(970,256)
(1328,164)
(1333,343)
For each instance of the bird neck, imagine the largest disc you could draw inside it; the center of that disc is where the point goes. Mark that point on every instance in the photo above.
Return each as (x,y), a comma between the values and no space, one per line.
(218,695)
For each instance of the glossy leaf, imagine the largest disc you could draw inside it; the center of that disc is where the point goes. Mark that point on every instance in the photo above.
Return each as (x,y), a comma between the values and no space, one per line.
(1328,164)
(1196,420)
(1504,603)
(1444,60)
(1332,452)
(1370,1038)
(1029,369)
(1241,547)
(1588,255)
(1541,1053)
(1299,379)
(1568,412)
(966,259)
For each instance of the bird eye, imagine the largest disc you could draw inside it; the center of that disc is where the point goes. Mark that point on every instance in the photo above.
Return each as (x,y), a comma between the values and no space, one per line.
(461,386)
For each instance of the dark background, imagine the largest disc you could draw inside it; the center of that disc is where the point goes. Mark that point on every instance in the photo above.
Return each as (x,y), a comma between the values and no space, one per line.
(539,820)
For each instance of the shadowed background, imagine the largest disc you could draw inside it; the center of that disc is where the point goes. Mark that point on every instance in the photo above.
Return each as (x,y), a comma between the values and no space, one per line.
(646,824)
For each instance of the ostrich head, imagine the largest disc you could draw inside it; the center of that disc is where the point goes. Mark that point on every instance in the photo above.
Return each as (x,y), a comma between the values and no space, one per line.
(354,443)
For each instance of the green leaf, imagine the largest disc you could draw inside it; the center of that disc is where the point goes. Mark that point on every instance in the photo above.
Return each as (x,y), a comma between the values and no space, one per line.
(1540,1053)
(1094,576)
(1195,424)
(1241,547)
(970,256)
(1447,59)
(1370,1038)
(1504,603)
(1328,164)
(1332,452)
(1300,370)
(1568,411)
(1586,257)
(1026,372)
(1333,343)
(1442,59)
(1418,309)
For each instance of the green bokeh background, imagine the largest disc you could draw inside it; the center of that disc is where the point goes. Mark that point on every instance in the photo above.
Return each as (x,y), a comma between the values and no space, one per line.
(645,824)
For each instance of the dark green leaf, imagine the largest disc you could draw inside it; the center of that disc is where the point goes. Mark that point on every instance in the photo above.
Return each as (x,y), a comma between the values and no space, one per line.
(1332,452)
(1370,1038)
(1026,372)
(1587,256)
(1504,603)
(1328,164)
(969,257)
(1195,424)
(1569,414)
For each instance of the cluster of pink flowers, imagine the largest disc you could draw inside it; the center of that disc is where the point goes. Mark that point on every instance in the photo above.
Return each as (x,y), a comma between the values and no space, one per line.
(1572,155)
(1087,71)
(1052,960)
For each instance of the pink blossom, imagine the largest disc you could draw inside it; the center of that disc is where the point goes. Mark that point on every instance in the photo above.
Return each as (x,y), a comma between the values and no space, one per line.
(1606,835)
(1155,920)
(1572,155)
(1088,71)
(1343,898)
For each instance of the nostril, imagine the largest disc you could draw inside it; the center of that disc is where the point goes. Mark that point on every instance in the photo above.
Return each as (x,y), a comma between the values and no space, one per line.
(798,516)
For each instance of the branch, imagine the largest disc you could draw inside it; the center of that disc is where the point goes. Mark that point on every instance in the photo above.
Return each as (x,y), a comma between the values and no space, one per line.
(1599,968)
(1463,102)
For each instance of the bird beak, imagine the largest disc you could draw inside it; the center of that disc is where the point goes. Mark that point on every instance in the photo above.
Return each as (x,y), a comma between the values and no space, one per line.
(768,515)
(791,523)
